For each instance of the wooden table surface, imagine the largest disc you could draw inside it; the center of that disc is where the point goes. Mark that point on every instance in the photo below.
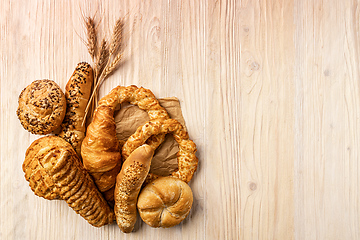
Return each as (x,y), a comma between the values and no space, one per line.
(270,92)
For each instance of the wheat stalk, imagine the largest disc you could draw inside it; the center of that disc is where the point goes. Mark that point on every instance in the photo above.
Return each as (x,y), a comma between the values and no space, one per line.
(102,58)
(91,37)
(107,59)
(110,68)
(116,38)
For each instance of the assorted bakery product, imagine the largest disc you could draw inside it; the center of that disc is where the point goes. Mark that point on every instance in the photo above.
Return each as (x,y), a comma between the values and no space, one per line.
(165,202)
(128,184)
(77,94)
(100,149)
(109,174)
(42,107)
(54,170)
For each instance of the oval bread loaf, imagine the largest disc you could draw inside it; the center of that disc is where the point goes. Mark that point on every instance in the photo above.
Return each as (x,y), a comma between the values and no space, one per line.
(165,202)
(128,184)
(77,93)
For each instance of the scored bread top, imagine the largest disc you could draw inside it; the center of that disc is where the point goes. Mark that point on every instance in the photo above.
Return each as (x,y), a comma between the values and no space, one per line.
(54,171)
(165,202)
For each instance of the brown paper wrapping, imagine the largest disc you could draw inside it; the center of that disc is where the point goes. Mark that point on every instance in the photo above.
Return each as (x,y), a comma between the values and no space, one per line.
(129,117)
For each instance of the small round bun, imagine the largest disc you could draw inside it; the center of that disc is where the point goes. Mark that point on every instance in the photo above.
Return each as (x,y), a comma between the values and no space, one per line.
(42,107)
(165,202)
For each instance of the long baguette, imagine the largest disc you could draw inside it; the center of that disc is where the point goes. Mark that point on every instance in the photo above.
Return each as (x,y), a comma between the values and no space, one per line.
(128,185)
(77,94)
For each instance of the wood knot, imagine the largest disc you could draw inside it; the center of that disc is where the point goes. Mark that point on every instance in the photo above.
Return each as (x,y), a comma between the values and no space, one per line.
(255,66)
(252,186)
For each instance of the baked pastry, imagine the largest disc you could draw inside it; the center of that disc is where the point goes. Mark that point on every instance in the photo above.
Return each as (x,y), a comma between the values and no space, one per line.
(165,202)
(54,171)
(128,184)
(187,160)
(42,107)
(100,149)
(77,94)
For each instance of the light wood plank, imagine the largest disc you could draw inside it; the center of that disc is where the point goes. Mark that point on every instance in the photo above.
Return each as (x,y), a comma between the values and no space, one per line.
(266,94)
(254,93)
(327,98)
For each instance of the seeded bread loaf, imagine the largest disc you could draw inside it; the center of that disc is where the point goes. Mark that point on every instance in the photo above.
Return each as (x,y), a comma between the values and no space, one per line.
(77,93)
(128,184)
(42,107)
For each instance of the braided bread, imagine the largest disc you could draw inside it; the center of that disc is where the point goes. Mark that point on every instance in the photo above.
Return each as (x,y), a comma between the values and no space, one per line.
(54,171)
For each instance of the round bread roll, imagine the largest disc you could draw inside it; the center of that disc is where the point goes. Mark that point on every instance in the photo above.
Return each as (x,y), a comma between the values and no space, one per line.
(42,107)
(165,202)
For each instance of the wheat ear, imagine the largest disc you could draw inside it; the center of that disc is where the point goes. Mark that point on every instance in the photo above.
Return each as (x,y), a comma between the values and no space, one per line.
(117,37)
(91,37)
(112,57)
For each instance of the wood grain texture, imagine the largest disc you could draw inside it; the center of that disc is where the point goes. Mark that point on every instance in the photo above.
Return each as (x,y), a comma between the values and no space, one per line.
(269,91)
(326,112)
